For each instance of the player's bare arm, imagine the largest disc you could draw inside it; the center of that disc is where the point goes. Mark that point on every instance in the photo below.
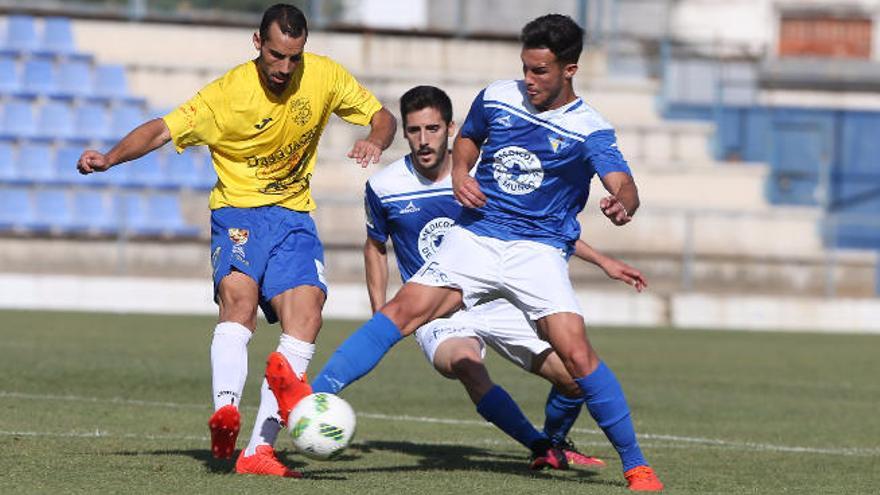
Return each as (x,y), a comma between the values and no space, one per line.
(376,268)
(465,153)
(365,151)
(623,202)
(142,140)
(613,267)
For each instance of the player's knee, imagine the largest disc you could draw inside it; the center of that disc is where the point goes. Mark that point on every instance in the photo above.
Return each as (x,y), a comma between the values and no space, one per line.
(578,361)
(240,311)
(404,314)
(467,365)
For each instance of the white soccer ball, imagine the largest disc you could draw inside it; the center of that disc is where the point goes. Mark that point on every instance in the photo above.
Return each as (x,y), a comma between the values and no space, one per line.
(322,426)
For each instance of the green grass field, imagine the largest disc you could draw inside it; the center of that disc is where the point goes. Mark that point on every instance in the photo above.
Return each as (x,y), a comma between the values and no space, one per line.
(118,404)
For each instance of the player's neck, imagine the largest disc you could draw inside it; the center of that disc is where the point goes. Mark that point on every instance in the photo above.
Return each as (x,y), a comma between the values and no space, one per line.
(434,174)
(565,97)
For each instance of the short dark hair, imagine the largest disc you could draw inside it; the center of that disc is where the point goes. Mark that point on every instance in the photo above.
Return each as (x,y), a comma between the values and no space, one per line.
(556,32)
(290,19)
(421,97)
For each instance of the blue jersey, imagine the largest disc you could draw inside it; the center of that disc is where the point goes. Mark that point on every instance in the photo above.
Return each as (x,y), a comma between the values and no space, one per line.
(412,210)
(535,167)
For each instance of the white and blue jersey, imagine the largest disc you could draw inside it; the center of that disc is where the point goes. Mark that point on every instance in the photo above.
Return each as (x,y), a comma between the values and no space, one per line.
(535,167)
(412,210)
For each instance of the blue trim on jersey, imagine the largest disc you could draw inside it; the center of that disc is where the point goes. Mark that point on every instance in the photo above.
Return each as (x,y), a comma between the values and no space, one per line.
(536,120)
(415,195)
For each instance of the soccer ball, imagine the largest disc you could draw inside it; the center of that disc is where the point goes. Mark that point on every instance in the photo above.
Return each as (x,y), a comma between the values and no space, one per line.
(321,426)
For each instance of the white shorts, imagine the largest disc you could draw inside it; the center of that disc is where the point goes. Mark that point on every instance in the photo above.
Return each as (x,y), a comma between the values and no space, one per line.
(533,276)
(497,323)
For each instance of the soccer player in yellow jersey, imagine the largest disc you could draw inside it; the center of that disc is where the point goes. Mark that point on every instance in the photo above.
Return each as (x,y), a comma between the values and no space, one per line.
(261,122)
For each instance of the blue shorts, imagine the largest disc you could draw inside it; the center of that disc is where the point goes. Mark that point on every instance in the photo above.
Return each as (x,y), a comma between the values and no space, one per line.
(277,247)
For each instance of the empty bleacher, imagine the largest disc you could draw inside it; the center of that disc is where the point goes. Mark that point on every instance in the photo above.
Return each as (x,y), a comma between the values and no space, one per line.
(55,102)
(705,224)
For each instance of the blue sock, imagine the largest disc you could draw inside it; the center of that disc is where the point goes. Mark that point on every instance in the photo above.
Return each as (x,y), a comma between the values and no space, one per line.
(560,414)
(499,409)
(359,354)
(607,405)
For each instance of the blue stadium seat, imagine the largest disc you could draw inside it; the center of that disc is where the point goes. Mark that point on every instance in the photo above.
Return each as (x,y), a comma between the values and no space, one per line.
(206,171)
(52,211)
(36,163)
(16,210)
(74,79)
(57,39)
(111,84)
(55,121)
(183,170)
(9,82)
(18,121)
(39,78)
(166,215)
(148,171)
(8,170)
(91,122)
(133,214)
(91,213)
(124,118)
(65,166)
(21,34)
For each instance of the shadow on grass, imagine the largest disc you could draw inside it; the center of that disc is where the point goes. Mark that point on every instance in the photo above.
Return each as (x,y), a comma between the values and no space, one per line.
(439,457)
(428,457)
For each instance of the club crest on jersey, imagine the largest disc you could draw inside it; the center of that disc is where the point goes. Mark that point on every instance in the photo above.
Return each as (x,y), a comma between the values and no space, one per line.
(409,208)
(517,170)
(432,235)
(300,110)
(239,237)
(555,143)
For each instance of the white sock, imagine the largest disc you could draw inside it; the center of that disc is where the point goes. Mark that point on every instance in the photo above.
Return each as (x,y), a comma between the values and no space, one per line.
(229,362)
(268,424)
(298,353)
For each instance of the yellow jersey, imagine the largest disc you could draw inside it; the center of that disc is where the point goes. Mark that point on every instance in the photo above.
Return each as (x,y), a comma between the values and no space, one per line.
(264,146)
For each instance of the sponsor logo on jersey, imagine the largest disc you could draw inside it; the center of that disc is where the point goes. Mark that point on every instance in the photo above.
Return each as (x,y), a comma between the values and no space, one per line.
(409,208)
(555,143)
(432,235)
(263,124)
(517,170)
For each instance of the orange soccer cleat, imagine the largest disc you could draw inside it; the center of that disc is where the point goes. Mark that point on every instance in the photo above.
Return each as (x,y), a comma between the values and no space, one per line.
(643,479)
(224,424)
(287,388)
(265,463)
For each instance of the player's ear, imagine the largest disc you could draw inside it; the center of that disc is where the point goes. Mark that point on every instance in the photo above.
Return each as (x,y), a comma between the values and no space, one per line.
(258,43)
(569,71)
(451,128)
